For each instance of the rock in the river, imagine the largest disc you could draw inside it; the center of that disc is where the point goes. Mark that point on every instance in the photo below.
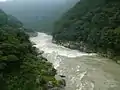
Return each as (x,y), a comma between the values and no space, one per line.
(61,80)
(62,76)
(61,85)
(41,52)
(50,84)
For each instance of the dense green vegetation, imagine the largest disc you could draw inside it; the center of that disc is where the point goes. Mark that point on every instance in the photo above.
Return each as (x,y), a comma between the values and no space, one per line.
(3,18)
(93,22)
(21,66)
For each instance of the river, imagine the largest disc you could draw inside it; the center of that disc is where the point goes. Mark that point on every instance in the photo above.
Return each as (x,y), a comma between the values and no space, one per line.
(83,71)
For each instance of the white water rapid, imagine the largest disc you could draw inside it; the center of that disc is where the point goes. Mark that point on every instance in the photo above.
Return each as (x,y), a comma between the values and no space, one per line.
(83,71)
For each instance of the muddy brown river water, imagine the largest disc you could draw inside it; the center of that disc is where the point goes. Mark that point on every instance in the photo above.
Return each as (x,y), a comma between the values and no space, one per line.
(83,71)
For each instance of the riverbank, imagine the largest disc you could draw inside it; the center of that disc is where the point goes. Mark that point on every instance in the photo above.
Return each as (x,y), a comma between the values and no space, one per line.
(83,47)
(54,81)
(82,70)
(32,34)
(74,45)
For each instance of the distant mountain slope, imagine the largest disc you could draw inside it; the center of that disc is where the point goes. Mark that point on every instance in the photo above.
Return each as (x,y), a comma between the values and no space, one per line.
(93,24)
(3,18)
(13,21)
(38,14)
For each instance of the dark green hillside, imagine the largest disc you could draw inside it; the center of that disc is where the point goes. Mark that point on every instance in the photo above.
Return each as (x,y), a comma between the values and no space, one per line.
(13,21)
(3,18)
(20,66)
(96,23)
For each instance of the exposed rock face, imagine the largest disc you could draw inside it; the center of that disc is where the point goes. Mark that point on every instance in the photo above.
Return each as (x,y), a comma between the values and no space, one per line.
(61,85)
(60,81)
(81,46)
(75,45)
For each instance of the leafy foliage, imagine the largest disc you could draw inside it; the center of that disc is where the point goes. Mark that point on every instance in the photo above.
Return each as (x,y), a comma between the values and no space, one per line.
(20,67)
(94,22)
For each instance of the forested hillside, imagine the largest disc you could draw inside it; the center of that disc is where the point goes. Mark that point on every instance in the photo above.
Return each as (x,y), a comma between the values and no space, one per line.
(94,24)
(37,14)
(21,66)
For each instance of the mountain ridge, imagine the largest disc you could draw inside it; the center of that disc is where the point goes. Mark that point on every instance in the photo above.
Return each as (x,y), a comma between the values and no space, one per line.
(33,13)
(91,25)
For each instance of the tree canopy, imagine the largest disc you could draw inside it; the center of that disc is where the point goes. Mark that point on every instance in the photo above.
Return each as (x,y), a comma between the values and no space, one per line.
(94,22)
(20,67)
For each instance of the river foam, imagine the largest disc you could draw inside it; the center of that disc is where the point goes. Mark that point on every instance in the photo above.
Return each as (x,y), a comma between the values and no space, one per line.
(54,54)
(44,43)
(83,71)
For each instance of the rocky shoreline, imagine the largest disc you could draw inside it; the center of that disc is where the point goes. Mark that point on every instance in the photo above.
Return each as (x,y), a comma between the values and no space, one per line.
(75,46)
(81,46)
(32,34)
(61,83)
(60,79)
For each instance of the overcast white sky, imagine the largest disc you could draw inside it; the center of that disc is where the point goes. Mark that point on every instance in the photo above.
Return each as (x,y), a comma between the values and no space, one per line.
(33,0)
(4,0)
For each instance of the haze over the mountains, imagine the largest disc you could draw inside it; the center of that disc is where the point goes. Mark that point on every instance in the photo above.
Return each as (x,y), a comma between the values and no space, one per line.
(38,14)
